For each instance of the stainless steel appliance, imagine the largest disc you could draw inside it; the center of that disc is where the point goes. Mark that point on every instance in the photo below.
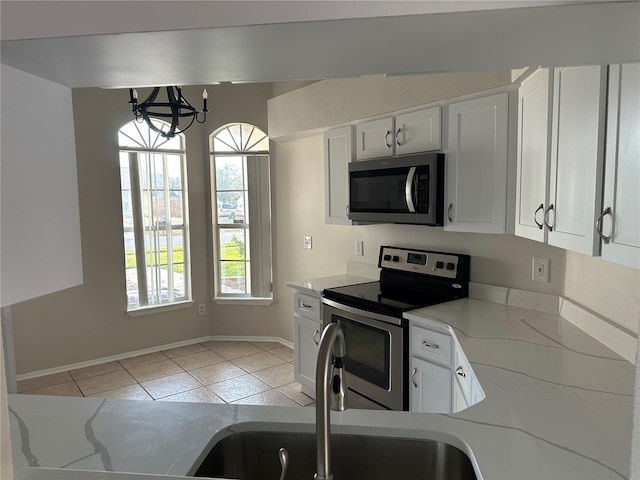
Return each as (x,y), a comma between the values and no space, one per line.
(405,189)
(371,317)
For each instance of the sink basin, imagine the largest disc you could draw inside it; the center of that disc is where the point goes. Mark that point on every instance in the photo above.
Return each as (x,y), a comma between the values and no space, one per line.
(253,455)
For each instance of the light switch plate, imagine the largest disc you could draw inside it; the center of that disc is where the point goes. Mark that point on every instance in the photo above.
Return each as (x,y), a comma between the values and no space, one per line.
(307,242)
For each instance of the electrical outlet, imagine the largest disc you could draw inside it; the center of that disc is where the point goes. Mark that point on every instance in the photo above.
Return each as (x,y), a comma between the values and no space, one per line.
(307,242)
(359,248)
(201,309)
(540,270)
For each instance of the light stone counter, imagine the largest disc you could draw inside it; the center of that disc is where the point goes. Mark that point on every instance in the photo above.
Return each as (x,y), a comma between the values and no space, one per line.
(315,286)
(558,406)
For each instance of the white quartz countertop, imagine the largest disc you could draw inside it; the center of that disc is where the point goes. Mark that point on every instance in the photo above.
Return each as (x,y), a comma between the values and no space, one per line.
(315,286)
(558,406)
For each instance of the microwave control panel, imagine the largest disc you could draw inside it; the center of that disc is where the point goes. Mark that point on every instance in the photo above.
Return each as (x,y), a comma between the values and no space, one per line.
(437,264)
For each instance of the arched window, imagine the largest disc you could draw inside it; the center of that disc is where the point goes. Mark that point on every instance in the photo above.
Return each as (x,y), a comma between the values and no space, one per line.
(241,211)
(154,215)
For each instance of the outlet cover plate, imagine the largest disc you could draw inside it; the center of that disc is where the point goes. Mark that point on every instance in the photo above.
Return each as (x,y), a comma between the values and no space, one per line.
(307,242)
(540,269)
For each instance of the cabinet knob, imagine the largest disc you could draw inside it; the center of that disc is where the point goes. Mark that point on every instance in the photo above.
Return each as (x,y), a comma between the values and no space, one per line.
(460,372)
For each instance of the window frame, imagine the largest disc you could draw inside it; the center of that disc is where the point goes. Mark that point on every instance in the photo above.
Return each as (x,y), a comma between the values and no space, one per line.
(257,220)
(137,190)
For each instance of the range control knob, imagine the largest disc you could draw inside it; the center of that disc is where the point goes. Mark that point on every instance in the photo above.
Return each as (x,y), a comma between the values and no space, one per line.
(439,264)
(395,258)
(387,257)
(450,266)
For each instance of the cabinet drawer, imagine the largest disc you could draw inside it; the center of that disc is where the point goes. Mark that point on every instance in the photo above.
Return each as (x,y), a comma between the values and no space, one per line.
(432,345)
(306,305)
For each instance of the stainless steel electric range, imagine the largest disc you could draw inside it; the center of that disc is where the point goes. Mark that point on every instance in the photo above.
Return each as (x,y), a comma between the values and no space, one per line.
(371,317)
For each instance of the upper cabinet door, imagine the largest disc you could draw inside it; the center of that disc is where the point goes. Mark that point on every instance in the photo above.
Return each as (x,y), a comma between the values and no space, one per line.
(577,152)
(338,152)
(418,131)
(375,139)
(534,155)
(620,217)
(476,170)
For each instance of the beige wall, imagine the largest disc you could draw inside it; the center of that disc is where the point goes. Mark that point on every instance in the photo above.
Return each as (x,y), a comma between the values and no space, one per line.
(609,289)
(88,322)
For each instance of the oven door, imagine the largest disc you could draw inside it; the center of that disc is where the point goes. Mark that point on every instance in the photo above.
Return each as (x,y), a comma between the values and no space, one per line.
(374,363)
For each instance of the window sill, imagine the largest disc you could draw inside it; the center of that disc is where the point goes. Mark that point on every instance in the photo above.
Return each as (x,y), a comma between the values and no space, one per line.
(159,308)
(244,301)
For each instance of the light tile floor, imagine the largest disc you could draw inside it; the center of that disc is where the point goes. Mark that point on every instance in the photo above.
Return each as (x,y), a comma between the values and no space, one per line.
(249,373)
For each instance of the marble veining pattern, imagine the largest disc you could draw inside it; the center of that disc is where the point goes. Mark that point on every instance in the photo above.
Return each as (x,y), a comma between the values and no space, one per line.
(558,406)
(553,383)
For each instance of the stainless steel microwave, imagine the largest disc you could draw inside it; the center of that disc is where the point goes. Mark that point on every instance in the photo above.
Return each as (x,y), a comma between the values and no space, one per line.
(404,189)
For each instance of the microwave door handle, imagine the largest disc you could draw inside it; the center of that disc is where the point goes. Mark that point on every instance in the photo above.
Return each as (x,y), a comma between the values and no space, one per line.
(408,189)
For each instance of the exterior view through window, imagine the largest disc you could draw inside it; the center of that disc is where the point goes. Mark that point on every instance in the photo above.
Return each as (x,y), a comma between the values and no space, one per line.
(154,214)
(241,211)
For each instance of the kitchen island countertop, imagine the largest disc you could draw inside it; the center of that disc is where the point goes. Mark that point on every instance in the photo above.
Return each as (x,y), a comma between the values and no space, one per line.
(558,406)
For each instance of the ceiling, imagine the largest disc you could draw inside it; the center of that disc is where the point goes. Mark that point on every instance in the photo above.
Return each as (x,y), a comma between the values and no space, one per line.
(212,42)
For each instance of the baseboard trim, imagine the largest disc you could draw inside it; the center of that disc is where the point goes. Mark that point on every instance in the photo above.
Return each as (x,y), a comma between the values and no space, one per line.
(144,351)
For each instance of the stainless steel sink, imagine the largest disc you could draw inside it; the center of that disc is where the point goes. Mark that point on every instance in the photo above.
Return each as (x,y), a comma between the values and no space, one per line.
(254,455)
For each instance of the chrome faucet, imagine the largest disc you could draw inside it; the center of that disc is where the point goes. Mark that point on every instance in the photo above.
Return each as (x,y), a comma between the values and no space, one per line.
(330,382)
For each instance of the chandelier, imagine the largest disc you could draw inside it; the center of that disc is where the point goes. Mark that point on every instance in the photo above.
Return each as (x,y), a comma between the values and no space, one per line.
(175,108)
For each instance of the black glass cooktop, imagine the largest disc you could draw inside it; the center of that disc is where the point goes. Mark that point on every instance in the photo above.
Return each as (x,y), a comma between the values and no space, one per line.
(385,299)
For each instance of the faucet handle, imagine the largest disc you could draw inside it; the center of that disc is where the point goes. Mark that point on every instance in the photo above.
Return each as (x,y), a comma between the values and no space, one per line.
(338,387)
(283,455)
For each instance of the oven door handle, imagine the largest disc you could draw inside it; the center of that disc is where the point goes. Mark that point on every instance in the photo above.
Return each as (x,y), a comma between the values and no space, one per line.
(408,189)
(362,313)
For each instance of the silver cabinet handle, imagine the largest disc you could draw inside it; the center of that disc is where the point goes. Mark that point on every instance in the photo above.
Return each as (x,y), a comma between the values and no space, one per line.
(546,212)
(430,345)
(408,190)
(398,133)
(304,305)
(607,211)
(449,212)
(346,211)
(535,215)
(413,377)
(386,141)
(460,372)
(316,334)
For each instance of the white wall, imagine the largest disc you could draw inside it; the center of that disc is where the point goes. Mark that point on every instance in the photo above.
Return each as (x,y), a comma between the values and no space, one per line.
(40,224)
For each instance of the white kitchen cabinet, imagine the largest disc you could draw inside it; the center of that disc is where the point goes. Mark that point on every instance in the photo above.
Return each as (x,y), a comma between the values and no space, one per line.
(431,387)
(577,154)
(374,139)
(307,329)
(338,152)
(477,168)
(417,131)
(441,378)
(411,132)
(619,225)
(534,154)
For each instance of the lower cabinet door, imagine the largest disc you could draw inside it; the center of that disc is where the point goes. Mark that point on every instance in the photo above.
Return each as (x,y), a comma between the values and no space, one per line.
(431,387)
(306,336)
